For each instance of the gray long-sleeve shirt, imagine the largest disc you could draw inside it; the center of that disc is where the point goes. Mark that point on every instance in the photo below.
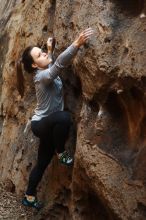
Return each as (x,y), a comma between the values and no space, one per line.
(48,85)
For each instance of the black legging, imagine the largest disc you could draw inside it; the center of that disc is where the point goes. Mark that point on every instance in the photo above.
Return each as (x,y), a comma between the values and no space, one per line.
(53,131)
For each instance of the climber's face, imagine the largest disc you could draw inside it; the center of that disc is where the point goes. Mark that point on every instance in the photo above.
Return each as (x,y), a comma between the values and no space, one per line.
(41,59)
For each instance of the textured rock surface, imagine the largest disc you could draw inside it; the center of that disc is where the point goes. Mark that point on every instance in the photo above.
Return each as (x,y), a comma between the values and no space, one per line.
(104,89)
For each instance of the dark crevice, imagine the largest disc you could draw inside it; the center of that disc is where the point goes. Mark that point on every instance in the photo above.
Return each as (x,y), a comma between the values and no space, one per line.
(113,105)
(123,128)
(59,209)
(136,93)
(51,16)
(94,105)
(113,137)
(142,207)
(132,7)
(88,203)
(72,89)
(45,29)
(1,124)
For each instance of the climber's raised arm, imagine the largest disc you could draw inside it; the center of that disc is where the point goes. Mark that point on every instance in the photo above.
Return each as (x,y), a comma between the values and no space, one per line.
(36,61)
(65,58)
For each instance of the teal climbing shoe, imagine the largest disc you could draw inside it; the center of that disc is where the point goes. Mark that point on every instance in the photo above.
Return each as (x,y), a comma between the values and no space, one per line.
(35,204)
(65,158)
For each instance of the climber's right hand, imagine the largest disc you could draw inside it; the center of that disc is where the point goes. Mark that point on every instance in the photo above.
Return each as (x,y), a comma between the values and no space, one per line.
(83,37)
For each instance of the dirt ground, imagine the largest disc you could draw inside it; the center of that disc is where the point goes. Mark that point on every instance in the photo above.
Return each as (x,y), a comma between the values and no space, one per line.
(11,208)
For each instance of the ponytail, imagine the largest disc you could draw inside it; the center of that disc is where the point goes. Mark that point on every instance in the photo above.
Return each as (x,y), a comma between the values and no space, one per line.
(20,77)
(27,61)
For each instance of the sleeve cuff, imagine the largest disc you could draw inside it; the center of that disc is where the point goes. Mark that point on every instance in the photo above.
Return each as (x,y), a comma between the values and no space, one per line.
(73,49)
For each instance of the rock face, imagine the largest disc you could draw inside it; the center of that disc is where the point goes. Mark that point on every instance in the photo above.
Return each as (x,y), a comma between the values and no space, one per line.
(105,91)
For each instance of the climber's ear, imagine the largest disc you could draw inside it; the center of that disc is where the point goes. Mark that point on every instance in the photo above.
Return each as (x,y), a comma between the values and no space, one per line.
(34,65)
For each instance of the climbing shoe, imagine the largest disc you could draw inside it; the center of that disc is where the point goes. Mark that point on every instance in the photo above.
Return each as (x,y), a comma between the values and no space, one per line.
(35,203)
(65,158)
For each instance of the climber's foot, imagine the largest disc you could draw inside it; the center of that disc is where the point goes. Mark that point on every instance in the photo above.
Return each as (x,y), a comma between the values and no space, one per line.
(65,158)
(32,203)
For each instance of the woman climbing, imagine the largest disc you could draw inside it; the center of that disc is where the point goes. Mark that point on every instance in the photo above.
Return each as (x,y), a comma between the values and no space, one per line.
(49,122)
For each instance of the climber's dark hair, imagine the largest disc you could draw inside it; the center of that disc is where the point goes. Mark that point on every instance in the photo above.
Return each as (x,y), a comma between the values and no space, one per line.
(27,61)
